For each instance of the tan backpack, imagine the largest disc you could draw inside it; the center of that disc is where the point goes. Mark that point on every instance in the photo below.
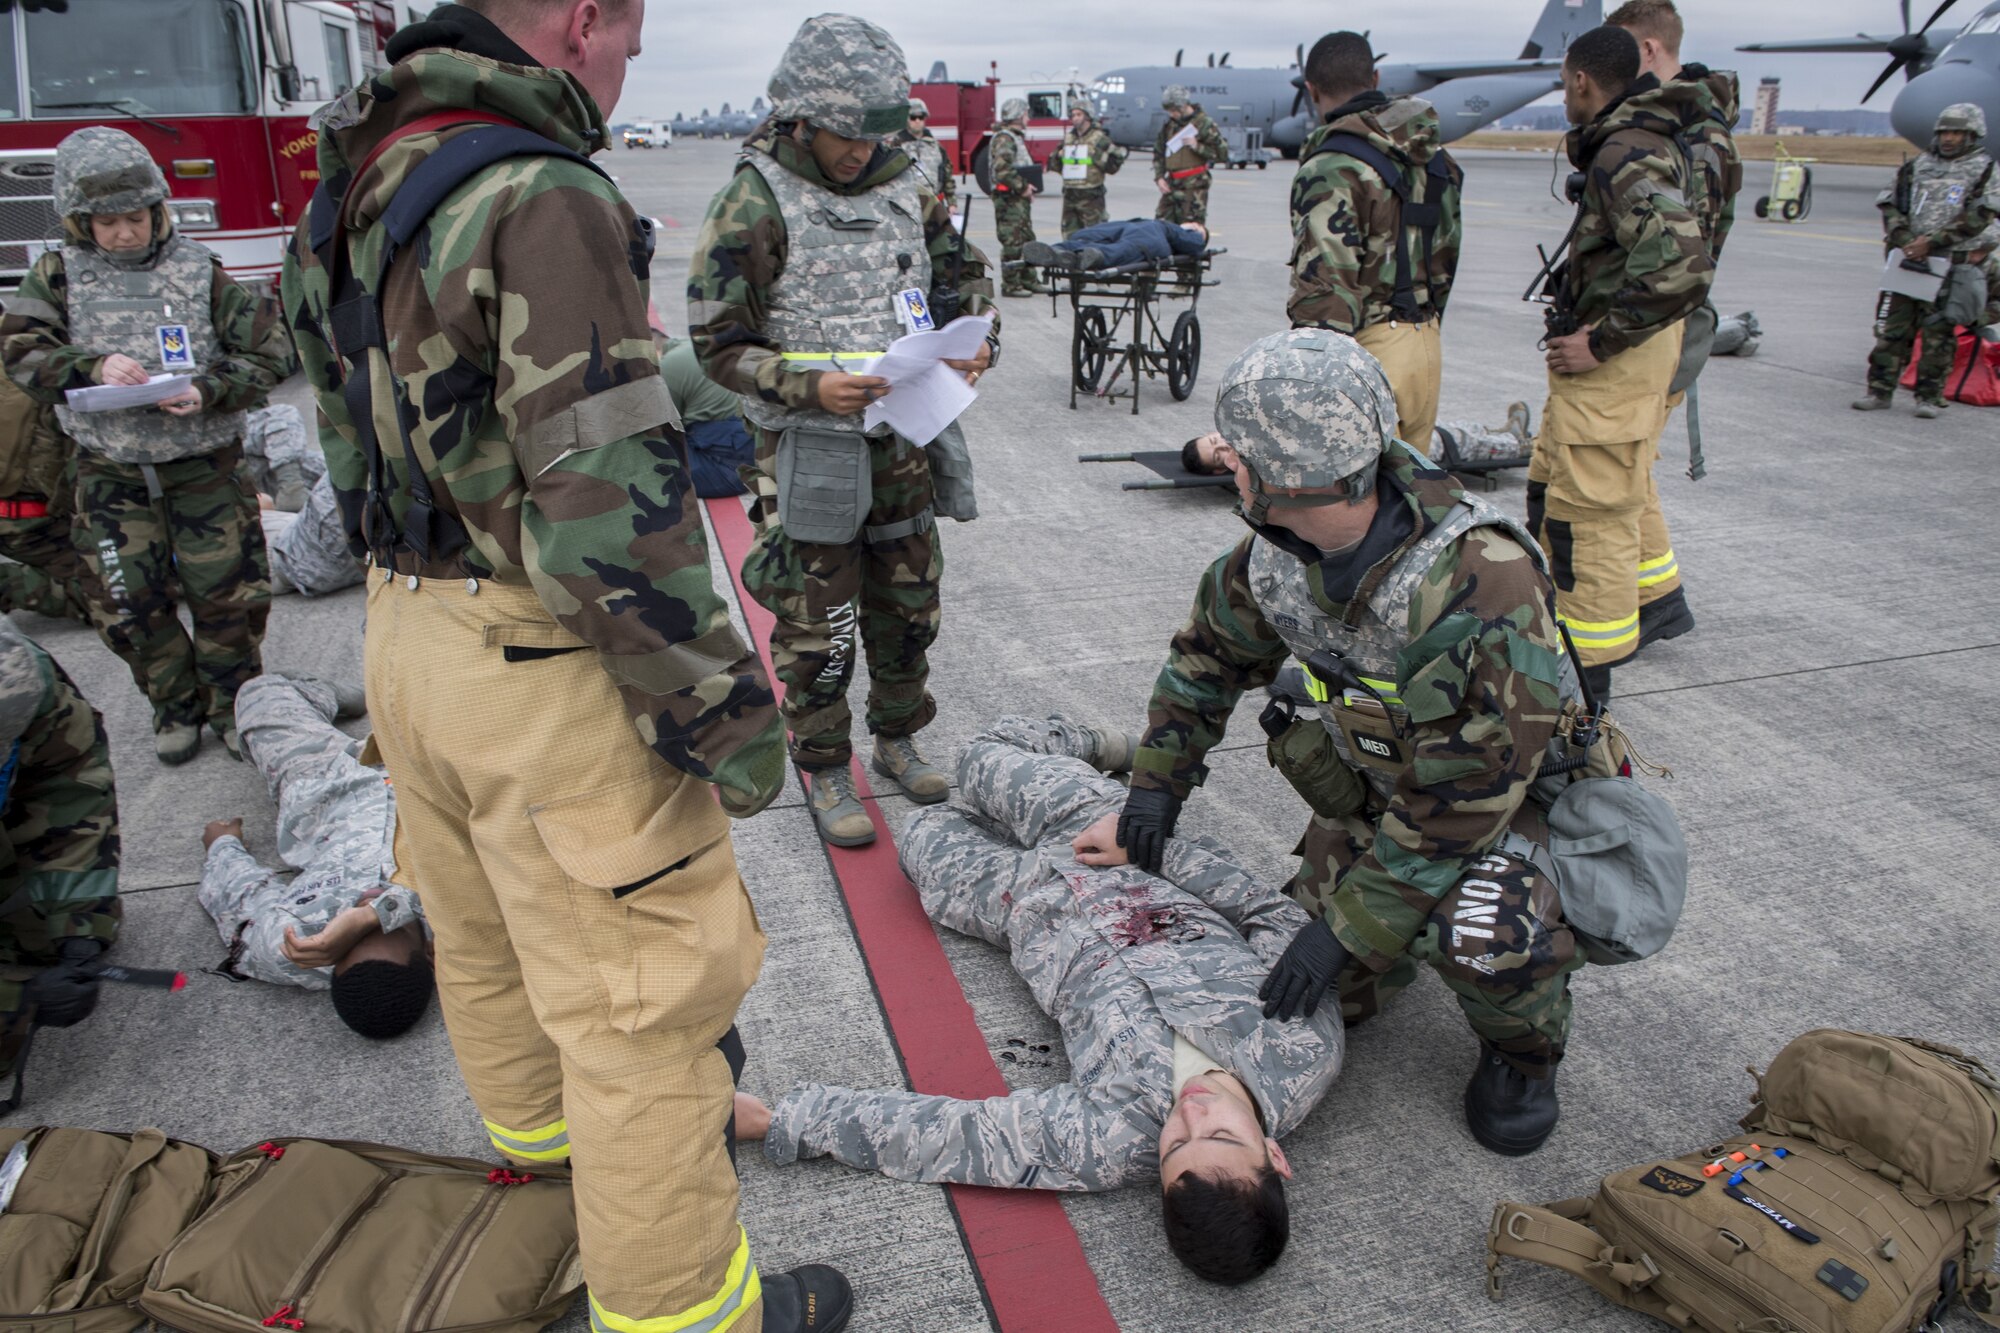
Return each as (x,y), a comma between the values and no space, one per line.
(106,1230)
(1861,1201)
(34,453)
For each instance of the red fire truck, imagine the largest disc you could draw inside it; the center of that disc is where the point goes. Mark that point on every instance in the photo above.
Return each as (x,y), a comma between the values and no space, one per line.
(219,91)
(963,115)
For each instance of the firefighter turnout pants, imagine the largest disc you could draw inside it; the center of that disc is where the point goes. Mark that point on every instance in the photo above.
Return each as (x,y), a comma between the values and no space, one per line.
(593,936)
(1592,502)
(1412,356)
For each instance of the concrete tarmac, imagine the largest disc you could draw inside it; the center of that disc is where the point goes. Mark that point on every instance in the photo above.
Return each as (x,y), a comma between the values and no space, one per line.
(1825,725)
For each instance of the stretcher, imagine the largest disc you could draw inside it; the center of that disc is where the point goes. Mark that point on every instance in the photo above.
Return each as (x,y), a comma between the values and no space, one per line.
(1115,325)
(1168,474)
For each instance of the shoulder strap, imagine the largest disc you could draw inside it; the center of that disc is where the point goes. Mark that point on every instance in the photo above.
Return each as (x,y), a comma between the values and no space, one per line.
(1423,211)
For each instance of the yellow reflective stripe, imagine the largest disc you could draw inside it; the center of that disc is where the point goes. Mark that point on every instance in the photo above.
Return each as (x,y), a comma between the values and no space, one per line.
(1316,689)
(1385,688)
(1320,691)
(741,1289)
(1658,570)
(550,1143)
(1605,633)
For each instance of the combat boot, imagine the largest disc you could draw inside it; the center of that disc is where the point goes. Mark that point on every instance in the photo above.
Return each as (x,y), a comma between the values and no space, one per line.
(896,758)
(290,486)
(1874,402)
(842,819)
(225,731)
(177,742)
(1518,423)
(1506,1110)
(811,1298)
(1667,617)
(1929,408)
(1110,751)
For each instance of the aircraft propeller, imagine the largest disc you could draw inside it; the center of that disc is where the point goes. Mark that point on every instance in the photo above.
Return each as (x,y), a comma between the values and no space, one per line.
(1299,83)
(1905,51)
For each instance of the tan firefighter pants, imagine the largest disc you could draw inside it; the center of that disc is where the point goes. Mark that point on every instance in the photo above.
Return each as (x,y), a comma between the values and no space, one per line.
(1659,570)
(1599,509)
(593,937)
(1412,356)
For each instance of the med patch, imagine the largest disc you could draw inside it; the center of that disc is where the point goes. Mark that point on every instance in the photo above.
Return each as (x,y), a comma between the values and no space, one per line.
(1671,1182)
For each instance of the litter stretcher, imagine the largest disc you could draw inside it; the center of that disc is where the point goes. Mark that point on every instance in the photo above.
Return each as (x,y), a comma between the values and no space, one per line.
(1168,473)
(1116,331)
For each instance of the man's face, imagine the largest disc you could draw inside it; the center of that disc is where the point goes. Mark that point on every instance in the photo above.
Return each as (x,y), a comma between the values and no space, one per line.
(600,46)
(1214,1130)
(919,121)
(1179,112)
(1576,97)
(122,233)
(1078,118)
(1952,142)
(842,160)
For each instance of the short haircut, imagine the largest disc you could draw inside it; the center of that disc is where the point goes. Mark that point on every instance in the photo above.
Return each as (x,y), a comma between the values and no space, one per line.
(1227,1230)
(381,999)
(1609,55)
(531,13)
(1657,19)
(1340,62)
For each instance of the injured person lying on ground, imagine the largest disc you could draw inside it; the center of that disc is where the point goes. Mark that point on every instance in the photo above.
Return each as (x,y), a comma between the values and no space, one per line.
(1175,1071)
(1117,244)
(1450,442)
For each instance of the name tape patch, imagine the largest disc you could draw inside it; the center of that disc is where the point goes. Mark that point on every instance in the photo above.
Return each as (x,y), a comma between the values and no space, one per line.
(1671,1182)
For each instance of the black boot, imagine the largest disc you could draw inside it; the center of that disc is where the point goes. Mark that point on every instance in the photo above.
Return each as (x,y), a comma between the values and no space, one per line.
(811,1298)
(1667,618)
(1507,1111)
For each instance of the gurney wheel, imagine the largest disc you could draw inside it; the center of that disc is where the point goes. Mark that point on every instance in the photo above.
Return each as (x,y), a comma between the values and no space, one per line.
(1184,356)
(1089,347)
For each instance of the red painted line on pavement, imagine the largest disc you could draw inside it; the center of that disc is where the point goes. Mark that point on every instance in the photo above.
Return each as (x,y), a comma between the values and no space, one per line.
(1024,1251)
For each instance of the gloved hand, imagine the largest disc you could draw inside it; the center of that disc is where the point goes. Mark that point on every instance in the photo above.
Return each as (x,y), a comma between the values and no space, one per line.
(1145,824)
(1308,966)
(64,995)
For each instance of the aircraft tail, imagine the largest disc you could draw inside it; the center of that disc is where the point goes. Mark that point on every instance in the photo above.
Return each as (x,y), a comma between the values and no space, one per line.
(1562,22)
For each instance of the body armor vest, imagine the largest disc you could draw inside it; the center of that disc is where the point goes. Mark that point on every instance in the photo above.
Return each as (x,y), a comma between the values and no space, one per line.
(1942,188)
(113,309)
(834,307)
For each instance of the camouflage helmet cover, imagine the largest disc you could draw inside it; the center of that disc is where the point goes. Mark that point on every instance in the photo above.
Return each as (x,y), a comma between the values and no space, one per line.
(1175,95)
(844,75)
(1306,410)
(1013,109)
(918,104)
(1966,116)
(102,170)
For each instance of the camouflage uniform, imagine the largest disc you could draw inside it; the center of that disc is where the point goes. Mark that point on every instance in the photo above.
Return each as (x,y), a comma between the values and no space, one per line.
(336,826)
(1707,107)
(822,594)
(1443,614)
(1954,201)
(559,697)
(160,500)
(275,441)
(1013,210)
(39,466)
(1087,157)
(1122,960)
(928,154)
(309,553)
(1346,225)
(1186,169)
(1638,266)
(59,807)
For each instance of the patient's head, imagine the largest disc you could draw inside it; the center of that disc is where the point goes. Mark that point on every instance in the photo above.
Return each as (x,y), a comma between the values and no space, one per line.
(1198,456)
(1222,1182)
(383,985)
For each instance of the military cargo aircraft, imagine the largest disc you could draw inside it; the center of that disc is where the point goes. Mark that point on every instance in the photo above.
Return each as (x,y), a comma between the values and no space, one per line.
(1937,71)
(1468,94)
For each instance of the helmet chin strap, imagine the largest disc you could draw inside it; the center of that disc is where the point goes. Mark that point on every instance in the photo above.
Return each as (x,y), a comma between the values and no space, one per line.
(1258,511)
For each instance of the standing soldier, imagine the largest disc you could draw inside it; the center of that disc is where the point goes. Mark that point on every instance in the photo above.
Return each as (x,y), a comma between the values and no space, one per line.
(1088,156)
(1637,267)
(540,590)
(162,498)
(1705,103)
(781,302)
(1943,203)
(1013,199)
(1375,225)
(929,155)
(1188,145)
(58,851)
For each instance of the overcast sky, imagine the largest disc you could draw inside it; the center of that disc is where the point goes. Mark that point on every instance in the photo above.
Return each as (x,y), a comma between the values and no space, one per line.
(700,55)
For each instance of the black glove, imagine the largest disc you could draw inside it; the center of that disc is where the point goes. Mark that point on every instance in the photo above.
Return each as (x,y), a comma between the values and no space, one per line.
(1145,824)
(1309,965)
(64,995)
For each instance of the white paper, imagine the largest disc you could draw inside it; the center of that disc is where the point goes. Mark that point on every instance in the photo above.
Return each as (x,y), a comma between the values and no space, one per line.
(112,397)
(1919,286)
(928,395)
(1181,139)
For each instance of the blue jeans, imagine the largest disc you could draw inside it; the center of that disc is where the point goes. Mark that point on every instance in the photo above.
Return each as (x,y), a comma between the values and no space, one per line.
(715,450)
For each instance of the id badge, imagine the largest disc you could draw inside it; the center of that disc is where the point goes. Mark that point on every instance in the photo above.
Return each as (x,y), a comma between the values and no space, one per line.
(914,309)
(176,352)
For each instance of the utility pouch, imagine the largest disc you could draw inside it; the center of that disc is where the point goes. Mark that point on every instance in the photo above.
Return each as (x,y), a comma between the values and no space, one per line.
(1303,751)
(1370,734)
(825,484)
(951,475)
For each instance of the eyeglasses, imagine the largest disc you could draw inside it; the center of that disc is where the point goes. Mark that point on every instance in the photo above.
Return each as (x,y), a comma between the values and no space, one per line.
(920,115)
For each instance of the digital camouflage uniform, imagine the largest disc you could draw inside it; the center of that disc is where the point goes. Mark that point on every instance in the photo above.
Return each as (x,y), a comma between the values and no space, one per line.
(560,699)
(1346,222)
(826,596)
(1638,265)
(1954,201)
(1122,960)
(924,150)
(59,810)
(1087,157)
(1013,210)
(336,826)
(1187,170)
(308,544)
(161,501)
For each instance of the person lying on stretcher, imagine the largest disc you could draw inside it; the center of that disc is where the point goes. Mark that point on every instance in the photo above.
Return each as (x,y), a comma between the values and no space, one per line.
(1116,244)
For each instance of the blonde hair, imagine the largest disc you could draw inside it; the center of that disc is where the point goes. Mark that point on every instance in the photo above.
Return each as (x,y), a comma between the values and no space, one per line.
(1657,19)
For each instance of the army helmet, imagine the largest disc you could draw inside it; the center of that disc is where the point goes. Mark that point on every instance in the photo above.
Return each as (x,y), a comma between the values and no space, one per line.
(1013,109)
(1306,410)
(102,170)
(1174,96)
(845,75)
(1967,116)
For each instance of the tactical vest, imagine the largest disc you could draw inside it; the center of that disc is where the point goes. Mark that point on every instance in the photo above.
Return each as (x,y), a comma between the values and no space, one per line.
(1368,722)
(113,309)
(1080,170)
(1189,157)
(927,155)
(1938,190)
(847,257)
